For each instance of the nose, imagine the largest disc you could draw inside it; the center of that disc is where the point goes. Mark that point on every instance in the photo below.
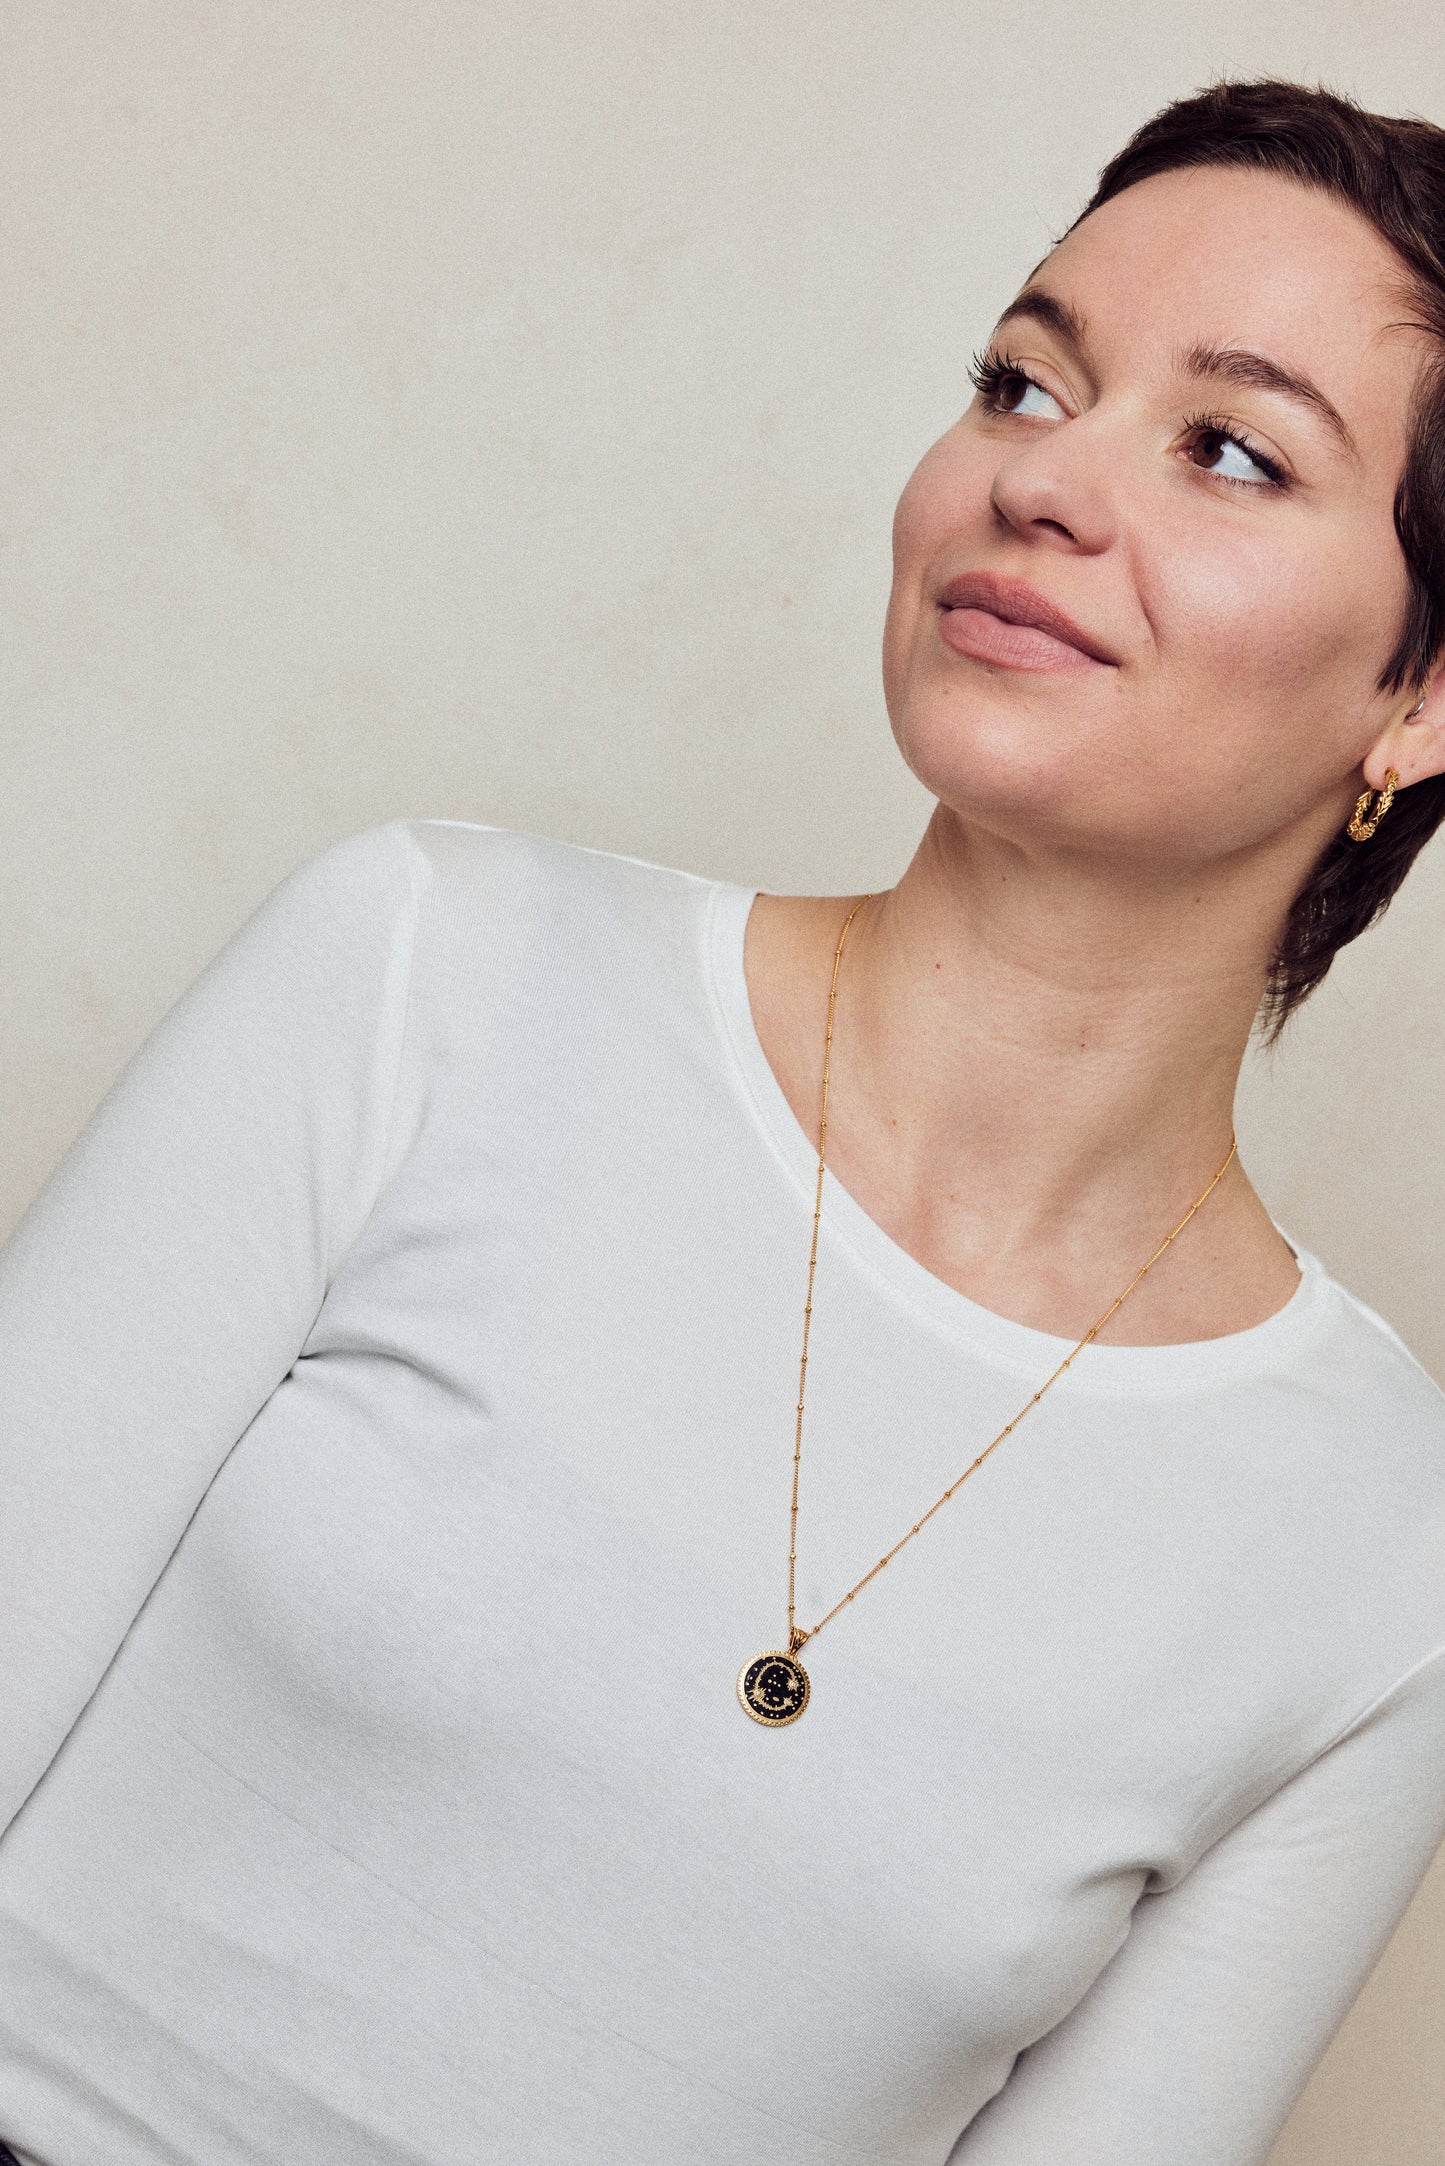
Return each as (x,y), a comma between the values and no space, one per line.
(1051,492)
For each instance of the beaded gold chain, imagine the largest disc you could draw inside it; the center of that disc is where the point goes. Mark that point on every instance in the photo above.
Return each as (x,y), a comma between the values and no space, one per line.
(774,1688)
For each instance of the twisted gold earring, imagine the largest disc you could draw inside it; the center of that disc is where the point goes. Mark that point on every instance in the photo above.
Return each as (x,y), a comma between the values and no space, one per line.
(1360,829)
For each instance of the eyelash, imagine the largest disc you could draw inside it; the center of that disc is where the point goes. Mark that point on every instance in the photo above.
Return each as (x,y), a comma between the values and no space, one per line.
(988,373)
(1215,425)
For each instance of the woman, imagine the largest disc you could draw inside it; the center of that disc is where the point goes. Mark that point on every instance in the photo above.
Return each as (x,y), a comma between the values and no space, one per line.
(405,1468)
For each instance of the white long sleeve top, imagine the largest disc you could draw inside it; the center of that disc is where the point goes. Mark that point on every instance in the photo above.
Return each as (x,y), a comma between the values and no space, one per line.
(396,1397)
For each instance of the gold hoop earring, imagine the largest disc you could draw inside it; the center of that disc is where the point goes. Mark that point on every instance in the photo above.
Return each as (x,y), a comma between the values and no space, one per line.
(1360,829)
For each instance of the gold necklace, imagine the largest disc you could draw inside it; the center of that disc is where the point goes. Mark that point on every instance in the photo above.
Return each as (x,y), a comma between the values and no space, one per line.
(774,1687)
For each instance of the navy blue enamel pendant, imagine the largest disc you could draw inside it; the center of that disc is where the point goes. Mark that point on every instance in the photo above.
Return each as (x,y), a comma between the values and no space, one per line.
(773,1689)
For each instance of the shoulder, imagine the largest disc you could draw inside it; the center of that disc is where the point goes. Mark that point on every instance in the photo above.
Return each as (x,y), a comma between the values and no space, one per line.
(514,938)
(501,906)
(1361,1359)
(1361,1430)
(466,878)
(1378,1420)
(468,864)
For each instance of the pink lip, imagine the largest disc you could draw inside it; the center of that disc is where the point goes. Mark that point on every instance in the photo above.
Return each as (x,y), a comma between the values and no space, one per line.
(1008,622)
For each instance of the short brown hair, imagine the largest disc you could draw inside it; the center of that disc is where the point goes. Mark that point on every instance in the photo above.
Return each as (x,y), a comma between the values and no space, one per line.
(1393,173)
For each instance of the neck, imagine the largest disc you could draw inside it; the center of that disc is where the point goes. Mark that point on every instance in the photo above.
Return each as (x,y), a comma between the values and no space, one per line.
(1033,1076)
(1051,1021)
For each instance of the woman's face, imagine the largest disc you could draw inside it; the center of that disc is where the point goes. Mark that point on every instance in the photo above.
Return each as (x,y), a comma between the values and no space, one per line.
(1182,469)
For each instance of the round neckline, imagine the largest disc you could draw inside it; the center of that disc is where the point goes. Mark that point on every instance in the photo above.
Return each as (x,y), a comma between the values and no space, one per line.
(982,1331)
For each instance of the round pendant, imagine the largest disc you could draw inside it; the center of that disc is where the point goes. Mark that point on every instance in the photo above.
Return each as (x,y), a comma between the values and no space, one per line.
(773,1688)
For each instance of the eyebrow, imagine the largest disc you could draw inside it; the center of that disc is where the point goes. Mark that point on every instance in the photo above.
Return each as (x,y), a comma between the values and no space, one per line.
(1217,364)
(1256,372)
(1037,305)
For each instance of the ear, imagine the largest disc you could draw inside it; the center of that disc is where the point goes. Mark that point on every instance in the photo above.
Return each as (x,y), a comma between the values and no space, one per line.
(1413,744)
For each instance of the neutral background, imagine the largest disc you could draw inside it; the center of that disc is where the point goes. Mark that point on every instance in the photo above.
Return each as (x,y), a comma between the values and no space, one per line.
(496,411)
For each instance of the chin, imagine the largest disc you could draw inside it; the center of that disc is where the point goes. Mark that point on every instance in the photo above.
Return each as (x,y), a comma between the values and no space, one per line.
(990,758)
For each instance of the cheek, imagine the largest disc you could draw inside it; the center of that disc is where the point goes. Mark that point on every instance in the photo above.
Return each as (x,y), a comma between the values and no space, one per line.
(1256,629)
(930,497)
(944,499)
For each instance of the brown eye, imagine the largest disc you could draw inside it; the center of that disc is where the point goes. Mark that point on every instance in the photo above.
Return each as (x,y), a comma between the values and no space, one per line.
(1218,450)
(1005,388)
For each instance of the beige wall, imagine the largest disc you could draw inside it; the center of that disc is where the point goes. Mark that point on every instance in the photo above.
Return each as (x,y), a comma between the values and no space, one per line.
(496,411)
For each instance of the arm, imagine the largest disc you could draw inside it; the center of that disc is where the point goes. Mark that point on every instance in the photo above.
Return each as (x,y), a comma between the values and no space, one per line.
(167,1275)
(1192,2045)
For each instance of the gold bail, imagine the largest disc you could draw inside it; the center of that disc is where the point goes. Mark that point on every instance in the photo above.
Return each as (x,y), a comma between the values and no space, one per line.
(797,1638)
